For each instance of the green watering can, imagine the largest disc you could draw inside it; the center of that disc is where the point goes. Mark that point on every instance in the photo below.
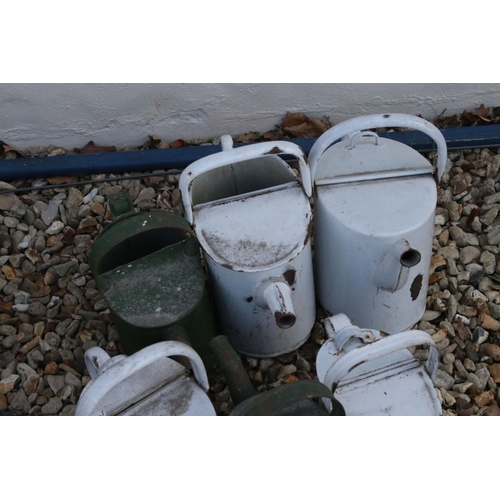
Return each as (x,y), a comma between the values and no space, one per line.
(299,398)
(147,266)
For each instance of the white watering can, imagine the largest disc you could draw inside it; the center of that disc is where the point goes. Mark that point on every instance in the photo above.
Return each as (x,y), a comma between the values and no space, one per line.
(374,221)
(374,374)
(146,383)
(252,218)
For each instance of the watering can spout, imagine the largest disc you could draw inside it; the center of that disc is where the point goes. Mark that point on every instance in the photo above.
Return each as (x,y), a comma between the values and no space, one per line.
(393,269)
(277,297)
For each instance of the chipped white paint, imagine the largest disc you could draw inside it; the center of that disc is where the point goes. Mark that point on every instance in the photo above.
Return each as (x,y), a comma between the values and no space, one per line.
(372,374)
(252,219)
(374,221)
(70,115)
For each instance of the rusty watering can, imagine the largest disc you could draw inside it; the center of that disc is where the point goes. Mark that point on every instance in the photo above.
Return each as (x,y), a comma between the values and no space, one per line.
(253,220)
(149,382)
(374,221)
(372,373)
(294,399)
(147,266)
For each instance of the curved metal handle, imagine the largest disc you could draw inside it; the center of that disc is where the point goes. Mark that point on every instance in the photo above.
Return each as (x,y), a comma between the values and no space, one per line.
(387,345)
(150,354)
(378,121)
(229,156)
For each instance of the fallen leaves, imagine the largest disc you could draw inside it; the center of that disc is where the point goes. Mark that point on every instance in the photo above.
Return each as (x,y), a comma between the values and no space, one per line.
(299,126)
(481,116)
(91,148)
(8,153)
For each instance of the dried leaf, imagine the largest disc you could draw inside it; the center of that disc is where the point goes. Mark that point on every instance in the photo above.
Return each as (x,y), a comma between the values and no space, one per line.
(5,148)
(482,112)
(469,119)
(179,143)
(462,331)
(91,148)
(314,128)
(248,137)
(294,120)
(69,235)
(273,135)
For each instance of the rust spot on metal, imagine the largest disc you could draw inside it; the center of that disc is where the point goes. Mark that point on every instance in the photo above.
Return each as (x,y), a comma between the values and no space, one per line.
(416,286)
(289,276)
(276,150)
(309,232)
(227,266)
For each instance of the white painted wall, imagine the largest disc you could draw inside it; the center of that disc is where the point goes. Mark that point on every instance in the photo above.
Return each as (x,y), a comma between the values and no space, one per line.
(70,115)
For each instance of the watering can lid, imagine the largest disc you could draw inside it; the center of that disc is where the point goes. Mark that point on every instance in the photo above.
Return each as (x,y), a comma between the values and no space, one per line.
(156,291)
(367,160)
(256,232)
(385,208)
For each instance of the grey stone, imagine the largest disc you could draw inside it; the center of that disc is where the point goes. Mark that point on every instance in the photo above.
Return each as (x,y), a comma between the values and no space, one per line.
(66,268)
(494,236)
(18,209)
(74,198)
(27,373)
(68,411)
(489,262)
(20,402)
(52,407)
(443,380)
(90,196)
(449,252)
(462,238)
(53,339)
(55,382)
(469,254)
(494,198)
(7,330)
(483,375)
(72,380)
(37,309)
(5,358)
(49,214)
(11,222)
(55,228)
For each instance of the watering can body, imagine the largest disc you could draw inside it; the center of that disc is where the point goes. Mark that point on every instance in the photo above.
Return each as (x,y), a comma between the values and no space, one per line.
(374,220)
(375,374)
(147,266)
(147,383)
(253,221)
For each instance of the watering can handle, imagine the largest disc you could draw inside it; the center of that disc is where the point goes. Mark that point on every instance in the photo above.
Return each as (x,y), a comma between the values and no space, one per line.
(150,354)
(378,121)
(387,345)
(228,156)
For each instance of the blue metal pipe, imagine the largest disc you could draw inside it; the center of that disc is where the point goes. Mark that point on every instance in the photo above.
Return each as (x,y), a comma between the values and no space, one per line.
(179,158)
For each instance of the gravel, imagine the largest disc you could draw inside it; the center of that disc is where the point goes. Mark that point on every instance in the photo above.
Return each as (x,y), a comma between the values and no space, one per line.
(51,311)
